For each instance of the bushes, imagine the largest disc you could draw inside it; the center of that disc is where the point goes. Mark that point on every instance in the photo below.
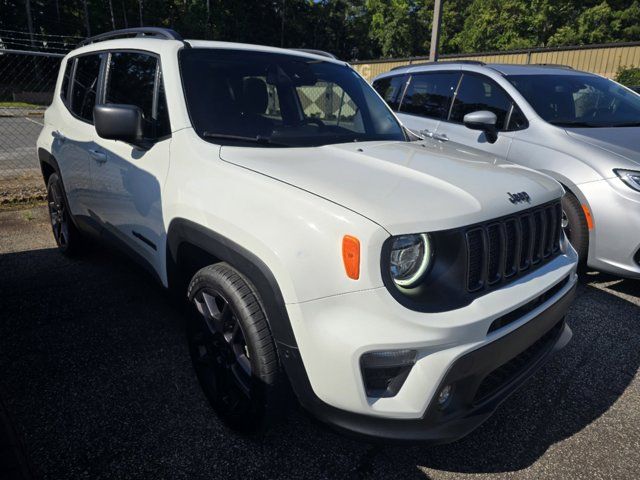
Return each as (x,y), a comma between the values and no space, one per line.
(629,76)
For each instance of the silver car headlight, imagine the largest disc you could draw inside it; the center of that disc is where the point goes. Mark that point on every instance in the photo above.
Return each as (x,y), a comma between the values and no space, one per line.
(630,177)
(410,258)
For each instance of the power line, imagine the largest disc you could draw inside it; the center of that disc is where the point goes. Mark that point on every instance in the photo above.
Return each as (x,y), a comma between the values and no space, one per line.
(40,34)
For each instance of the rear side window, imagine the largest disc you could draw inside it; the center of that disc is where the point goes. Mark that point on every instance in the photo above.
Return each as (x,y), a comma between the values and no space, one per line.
(390,88)
(480,93)
(329,103)
(430,94)
(85,86)
(64,89)
(131,80)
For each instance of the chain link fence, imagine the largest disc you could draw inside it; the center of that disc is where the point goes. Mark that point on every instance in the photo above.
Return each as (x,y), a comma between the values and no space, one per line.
(27,81)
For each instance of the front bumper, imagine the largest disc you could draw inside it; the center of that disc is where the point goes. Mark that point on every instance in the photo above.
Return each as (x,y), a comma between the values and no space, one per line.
(614,242)
(455,348)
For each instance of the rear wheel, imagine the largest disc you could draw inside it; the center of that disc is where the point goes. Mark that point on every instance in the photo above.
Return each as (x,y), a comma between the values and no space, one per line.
(233,351)
(574,224)
(65,233)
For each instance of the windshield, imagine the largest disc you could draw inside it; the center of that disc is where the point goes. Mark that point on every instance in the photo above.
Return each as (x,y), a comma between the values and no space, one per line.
(579,100)
(249,98)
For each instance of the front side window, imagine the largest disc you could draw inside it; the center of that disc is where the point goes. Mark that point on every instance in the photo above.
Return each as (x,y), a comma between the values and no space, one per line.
(430,94)
(579,100)
(259,99)
(480,93)
(85,86)
(390,88)
(131,80)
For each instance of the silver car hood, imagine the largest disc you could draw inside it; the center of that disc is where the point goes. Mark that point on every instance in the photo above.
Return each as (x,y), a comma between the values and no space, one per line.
(404,187)
(622,141)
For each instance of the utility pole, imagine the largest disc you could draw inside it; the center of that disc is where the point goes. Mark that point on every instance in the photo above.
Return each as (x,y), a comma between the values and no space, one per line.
(140,7)
(435,31)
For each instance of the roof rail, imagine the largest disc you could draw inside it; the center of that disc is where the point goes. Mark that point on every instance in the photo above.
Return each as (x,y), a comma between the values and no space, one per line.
(554,65)
(322,53)
(468,62)
(156,32)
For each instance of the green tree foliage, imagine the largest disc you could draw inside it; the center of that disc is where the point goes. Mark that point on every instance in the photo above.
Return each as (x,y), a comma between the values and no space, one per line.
(349,28)
(629,76)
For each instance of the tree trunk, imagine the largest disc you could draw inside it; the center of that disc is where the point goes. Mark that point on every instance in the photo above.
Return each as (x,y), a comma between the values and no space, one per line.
(140,7)
(113,19)
(87,25)
(124,15)
(29,22)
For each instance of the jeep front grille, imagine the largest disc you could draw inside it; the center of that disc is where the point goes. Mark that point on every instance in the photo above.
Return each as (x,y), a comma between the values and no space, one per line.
(498,251)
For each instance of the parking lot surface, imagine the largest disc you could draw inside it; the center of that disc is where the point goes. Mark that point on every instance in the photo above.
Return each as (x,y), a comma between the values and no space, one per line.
(97,379)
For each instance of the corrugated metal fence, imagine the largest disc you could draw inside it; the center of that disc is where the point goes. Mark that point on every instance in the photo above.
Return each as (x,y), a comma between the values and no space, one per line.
(603,59)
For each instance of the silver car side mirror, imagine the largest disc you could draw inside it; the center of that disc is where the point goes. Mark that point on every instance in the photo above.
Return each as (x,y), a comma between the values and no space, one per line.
(483,120)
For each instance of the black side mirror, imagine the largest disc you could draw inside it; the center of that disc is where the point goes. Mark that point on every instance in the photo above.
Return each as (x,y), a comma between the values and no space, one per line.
(119,122)
(483,120)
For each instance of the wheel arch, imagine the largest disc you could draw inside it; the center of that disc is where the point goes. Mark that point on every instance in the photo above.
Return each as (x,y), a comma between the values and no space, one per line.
(191,246)
(48,164)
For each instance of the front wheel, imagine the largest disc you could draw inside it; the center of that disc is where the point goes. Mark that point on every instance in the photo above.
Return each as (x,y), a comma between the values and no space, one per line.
(65,233)
(575,226)
(233,351)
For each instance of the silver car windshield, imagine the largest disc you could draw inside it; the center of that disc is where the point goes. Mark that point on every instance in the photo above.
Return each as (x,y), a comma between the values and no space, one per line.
(264,99)
(580,101)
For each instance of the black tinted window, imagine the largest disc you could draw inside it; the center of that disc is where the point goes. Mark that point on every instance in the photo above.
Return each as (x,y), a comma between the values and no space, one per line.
(131,81)
(480,93)
(390,88)
(430,94)
(517,121)
(85,86)
(162,115)
(64,89)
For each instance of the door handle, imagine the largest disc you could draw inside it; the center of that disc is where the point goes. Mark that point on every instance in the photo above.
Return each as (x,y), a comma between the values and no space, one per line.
(58,136)
(98,156)
(426,133)
(440,136)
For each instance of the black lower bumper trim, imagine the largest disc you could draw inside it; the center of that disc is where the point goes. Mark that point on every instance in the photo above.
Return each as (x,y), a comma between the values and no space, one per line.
(466,410)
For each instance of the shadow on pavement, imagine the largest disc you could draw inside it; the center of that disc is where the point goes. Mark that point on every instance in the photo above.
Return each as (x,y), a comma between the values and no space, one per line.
(97,376)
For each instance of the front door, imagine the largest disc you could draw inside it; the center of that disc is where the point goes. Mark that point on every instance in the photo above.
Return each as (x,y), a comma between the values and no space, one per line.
(477,92)
(127,180)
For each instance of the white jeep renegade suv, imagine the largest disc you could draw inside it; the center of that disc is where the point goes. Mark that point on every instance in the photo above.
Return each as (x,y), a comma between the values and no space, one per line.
(402,289)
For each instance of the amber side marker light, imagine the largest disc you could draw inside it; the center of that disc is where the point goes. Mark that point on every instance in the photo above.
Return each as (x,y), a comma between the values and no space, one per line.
(588,217)
(351,256)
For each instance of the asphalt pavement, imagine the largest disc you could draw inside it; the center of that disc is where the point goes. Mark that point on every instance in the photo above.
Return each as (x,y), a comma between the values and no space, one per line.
(97,381)
(18,135)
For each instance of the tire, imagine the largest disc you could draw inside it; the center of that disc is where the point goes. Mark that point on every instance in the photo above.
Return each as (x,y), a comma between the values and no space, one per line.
(233,352)
(65,233)
(575,226)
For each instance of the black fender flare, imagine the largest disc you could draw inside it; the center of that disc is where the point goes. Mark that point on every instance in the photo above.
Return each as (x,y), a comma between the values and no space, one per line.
(248,264)
(225,250)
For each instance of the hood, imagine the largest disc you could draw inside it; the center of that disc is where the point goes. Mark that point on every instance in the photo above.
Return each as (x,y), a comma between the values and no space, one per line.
(404,187)
(623,142)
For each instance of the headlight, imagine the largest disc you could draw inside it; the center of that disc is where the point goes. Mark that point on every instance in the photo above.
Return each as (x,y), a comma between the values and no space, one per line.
(410,259)
(630,177)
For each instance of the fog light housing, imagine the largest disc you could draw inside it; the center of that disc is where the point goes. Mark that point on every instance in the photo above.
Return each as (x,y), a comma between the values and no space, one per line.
(444,396)
(384,372)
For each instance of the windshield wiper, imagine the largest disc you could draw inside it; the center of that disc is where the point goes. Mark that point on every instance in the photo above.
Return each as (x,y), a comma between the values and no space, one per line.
(626,124)
(576,124)
(257,139)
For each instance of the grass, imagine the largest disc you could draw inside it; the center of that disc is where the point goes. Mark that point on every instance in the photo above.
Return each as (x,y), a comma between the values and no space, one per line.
(18,105)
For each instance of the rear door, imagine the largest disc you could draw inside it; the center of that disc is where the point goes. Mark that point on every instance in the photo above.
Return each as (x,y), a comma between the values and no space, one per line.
(74,138)
(427,100)
(127,180)
(478,92)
